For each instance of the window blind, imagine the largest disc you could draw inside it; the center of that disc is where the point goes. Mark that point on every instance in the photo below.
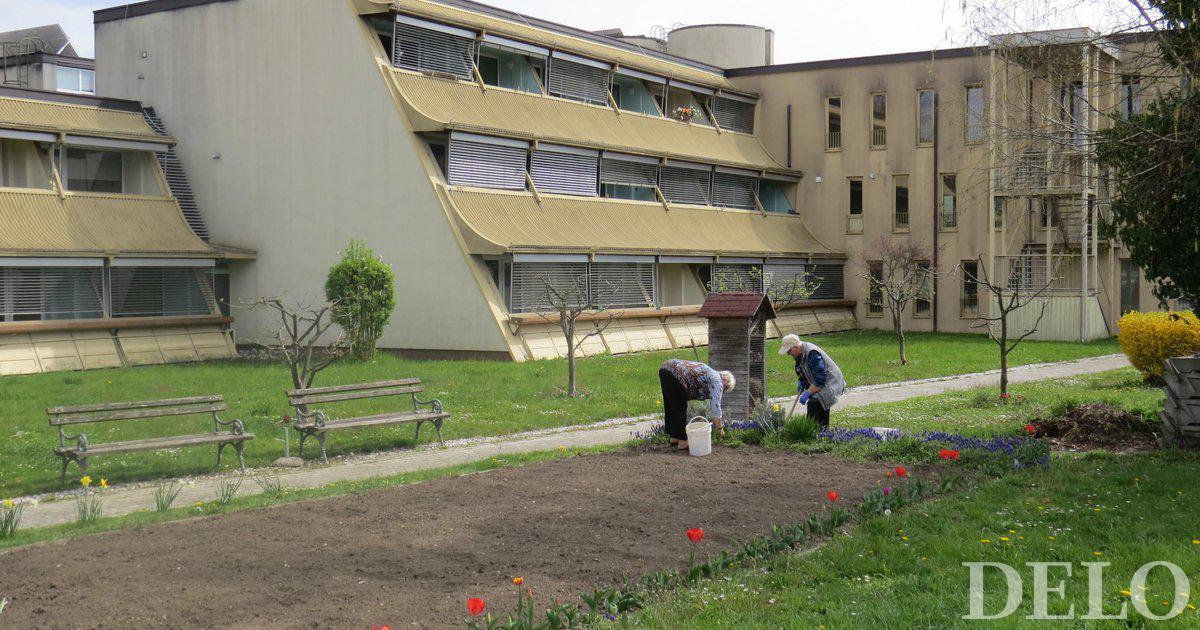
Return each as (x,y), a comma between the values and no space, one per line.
(487,162)
(161,291)
(51,293)
(734,114)
(579,79)
(431,47)
(565,170)
(643,172)
(622,285)
(734,190)
(529,293)
(830,280)
(685,184)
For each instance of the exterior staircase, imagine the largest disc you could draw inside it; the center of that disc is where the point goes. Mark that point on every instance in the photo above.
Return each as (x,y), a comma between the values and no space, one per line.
(177,179)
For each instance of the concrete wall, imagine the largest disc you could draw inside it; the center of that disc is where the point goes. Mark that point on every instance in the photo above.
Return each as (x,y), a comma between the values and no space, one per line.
(724,45)
(294,146)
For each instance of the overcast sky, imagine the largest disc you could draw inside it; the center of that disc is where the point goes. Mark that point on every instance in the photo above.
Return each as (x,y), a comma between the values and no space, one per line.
(804,29)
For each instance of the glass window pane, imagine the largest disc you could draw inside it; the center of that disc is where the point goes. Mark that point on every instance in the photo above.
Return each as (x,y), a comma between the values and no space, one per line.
(631,94)
(67,79)
(773,196)
(974,114)
(925,131)
(93,170)
(87,81)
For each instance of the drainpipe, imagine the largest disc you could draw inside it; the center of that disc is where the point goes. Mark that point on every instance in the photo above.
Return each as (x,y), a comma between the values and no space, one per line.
(789,135)
(936,215)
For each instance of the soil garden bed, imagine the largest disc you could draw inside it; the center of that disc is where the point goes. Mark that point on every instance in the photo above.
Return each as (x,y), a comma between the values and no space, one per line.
(409,556)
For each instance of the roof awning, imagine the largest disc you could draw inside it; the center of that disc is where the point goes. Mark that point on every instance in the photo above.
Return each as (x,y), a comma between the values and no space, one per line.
(500,222)
(436,104)
(79,121)
(40,223)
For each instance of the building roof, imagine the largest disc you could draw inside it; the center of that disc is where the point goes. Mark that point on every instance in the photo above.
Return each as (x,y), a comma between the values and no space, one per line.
(850,62)
(54,39)
(33,110)
(496,222)
(506,23)
(436,104)
(734,304)
(41,223)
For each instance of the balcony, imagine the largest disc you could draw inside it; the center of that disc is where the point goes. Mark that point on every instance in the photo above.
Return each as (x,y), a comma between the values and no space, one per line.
(833,141)
(900,222)
(878,137)
(854,224)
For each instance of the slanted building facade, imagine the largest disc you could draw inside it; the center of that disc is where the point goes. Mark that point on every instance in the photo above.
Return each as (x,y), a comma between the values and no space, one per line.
(483,154)
(98,265)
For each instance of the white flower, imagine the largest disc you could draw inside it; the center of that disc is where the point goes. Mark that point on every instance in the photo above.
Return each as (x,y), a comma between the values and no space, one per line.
(887,512)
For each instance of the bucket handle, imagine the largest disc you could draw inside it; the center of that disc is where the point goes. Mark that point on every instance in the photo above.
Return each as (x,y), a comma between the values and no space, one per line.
(698,419)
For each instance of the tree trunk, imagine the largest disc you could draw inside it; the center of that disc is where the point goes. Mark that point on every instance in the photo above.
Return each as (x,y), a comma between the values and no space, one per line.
(569,333)
(1004,354)
(898,327)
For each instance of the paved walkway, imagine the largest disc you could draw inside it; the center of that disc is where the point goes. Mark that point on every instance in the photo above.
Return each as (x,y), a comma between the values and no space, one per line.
(126,499)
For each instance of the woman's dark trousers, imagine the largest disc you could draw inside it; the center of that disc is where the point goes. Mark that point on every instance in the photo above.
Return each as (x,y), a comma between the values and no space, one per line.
(675,402)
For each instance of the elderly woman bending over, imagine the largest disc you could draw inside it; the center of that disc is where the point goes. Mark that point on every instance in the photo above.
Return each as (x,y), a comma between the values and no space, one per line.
(691,380)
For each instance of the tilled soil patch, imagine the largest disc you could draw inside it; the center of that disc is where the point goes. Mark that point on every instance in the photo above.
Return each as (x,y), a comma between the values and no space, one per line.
(409,556)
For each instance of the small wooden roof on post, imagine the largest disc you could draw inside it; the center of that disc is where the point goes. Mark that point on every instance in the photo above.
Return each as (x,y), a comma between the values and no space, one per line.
(737,305)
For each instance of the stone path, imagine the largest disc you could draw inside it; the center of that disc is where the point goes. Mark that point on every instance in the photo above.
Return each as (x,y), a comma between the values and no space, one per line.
(126,499)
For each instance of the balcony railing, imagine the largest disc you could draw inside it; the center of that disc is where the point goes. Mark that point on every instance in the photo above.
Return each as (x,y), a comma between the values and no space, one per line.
(854,224)
(833,140)
(879,137)
(900,221)
(969,305)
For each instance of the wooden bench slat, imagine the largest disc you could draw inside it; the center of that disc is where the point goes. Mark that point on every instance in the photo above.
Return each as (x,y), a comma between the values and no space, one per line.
(386,418)
(353,387)
(159,443)
(144,404)
(161,412)
(355,395)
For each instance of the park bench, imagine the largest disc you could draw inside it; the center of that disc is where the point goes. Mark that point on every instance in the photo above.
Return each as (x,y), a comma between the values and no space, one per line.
(310,422)
(79,449)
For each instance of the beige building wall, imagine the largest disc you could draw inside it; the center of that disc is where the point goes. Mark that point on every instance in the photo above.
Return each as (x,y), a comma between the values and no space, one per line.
(295,146)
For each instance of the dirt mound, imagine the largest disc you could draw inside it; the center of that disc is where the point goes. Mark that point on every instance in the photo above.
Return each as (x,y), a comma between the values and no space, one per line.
(1097,425)
(409,556)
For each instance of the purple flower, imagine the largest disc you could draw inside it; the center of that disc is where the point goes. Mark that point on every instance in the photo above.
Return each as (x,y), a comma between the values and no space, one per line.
(887,490)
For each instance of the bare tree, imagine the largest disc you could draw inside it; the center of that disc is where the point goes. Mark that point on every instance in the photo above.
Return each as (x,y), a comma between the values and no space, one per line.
(784,291)
(302,340)
(900,272)
(1005,298)
(569,301)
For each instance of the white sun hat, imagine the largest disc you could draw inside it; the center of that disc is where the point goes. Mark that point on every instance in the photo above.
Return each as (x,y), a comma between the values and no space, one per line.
(789,342)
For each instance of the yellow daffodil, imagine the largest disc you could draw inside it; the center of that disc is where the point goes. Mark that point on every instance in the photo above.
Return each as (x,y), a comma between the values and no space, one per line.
(1097,553)
(199,504)
(904,538)
(1196,542)
(1004,539)
(86,481)
(8,503)
(776,408)
(1052,537)
(1192,606)
(104,483)
(1126,592)
(1012,531)
(985,541)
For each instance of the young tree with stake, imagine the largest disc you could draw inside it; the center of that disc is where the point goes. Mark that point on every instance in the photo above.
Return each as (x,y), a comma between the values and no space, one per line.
(567,302)
(1006,298)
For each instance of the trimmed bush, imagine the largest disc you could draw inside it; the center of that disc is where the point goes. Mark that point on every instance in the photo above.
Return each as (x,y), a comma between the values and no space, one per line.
(1148,339)
(362,289)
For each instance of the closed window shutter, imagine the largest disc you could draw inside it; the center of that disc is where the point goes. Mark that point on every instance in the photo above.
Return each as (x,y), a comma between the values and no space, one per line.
(785,280)
(577,81)
(734,115)
(830,281)
(161,291)
(625,172)
(734,191)
(733,278)
(623,285)
(528,292)
(487,165)
(50,293)
(685,185)
(426,50)
(566,173)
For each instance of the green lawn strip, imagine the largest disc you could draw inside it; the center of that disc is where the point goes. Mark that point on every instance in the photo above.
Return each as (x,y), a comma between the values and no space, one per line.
(485,398)
(906,570)
(980,411)
(212,507)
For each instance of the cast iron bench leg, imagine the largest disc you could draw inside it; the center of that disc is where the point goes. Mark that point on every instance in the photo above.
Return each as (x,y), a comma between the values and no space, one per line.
(321,441)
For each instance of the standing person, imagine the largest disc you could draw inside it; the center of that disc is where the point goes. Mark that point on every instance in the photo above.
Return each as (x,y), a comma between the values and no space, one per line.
(820,380)
(691,380)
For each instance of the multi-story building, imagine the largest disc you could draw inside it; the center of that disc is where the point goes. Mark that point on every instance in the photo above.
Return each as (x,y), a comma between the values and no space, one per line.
(493,158)
(43,58)
(99,267)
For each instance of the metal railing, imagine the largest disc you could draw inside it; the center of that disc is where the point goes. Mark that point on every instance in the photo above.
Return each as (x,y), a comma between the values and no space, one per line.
(900,220)
(854,224)
(833,140)
(879,136)
(969,305)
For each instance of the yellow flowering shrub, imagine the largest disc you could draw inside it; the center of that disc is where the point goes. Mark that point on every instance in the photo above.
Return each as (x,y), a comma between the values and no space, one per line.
(1148,339)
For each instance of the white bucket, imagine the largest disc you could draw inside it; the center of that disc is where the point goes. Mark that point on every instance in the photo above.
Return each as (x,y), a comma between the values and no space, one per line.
(699,434)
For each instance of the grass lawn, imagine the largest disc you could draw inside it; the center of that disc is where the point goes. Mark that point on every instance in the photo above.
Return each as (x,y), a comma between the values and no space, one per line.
(485,398)
(905,571)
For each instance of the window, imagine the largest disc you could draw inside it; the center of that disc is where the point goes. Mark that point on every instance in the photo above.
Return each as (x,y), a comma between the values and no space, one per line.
(773,196)
(926,132)
(93,170)
(733,112)
(50,293)
(432,47)
(579,78)
(1131,278)
(623,284)
(686,182)
(1070,103)
(923,303)
(685,95)
(969,305)
(856,195)
(1131,95)
(734,188)
(565,170)
(76,80)
(161,291)
(635,94)
(949,201)
(878,120)
(512,64)
(974,122)
(900,221)
(736,277)
(24,164)
(487,161)
(875,289)
(833,122)
(628,177)
(998,213)
(1049,212)
(829,280)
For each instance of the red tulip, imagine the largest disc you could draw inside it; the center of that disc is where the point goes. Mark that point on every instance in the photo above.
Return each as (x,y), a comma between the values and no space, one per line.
(833,496)
(901,472)
(948,454)
(695,534)
(1030,429)
(475,606)
(889,474)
